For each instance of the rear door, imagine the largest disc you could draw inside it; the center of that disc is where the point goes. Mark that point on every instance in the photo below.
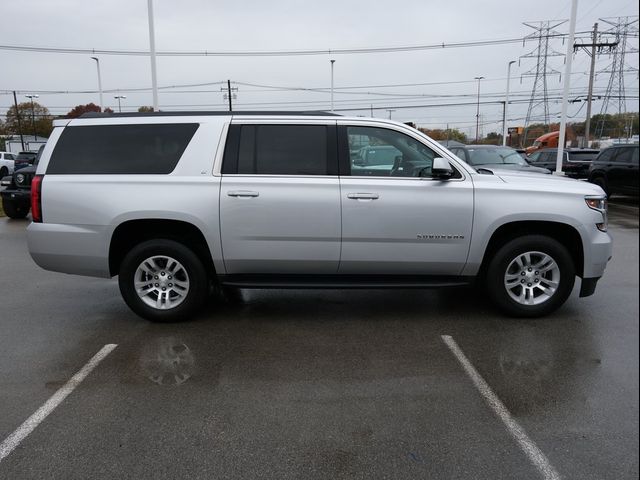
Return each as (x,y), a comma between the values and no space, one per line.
(280,198)
(401,221)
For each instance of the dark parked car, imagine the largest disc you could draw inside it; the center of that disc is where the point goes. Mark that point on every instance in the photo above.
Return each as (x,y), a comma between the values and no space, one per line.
(494,157)
(24,159)
(575,164)
(616,170)
(16,196)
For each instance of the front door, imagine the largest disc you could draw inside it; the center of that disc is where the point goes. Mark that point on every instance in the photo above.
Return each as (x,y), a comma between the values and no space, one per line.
(280,200)
(397,219)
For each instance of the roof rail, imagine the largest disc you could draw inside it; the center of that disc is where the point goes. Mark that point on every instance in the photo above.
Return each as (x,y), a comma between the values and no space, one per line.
(205,113)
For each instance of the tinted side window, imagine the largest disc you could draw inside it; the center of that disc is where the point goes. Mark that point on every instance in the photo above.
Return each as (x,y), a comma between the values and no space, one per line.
(605,155)
(10,156)
(121,149)
(624,155)
(283,150)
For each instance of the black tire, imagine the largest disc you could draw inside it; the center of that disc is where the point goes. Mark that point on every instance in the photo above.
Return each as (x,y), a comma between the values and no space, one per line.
(502,259)
(197,291)
(602,183)
(15,209)
(4,171)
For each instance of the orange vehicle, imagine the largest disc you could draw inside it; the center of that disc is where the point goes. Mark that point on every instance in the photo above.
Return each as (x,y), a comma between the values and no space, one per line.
(548,140)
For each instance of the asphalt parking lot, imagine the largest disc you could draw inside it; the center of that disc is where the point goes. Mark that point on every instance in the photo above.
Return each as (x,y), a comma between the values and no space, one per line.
(317,384)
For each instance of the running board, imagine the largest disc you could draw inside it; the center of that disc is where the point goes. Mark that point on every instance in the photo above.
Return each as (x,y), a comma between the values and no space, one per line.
(342,281)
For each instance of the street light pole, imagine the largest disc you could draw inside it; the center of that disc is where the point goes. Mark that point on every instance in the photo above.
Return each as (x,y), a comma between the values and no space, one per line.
(33,116)
(332,62)
(99,81)
(478,109)
(152,44)
(506,105)
(120,97)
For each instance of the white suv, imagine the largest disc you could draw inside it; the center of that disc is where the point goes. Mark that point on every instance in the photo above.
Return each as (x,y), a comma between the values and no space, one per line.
(177,203)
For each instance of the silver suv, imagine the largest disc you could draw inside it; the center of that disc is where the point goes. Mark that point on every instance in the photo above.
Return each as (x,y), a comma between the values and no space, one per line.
(177,204)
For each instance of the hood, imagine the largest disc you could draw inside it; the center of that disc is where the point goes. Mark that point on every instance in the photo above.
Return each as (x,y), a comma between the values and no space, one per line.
(513,168)
(535,181)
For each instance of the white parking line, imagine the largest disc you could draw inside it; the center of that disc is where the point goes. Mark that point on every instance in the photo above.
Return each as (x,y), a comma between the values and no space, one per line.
(29,425)
(530,449)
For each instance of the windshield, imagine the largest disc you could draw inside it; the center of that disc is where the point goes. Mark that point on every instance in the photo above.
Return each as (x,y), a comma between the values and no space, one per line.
(493,156)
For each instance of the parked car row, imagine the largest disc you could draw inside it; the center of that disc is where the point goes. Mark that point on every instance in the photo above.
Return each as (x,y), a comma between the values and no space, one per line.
(614,169)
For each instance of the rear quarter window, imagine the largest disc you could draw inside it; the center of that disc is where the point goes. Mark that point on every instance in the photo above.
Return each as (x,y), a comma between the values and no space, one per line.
(121,149)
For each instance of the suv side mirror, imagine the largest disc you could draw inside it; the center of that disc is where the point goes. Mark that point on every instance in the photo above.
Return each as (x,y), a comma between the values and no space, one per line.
(441,169)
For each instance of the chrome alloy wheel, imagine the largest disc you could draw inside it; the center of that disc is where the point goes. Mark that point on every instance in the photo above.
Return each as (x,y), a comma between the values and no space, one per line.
(161,282)
(532,278)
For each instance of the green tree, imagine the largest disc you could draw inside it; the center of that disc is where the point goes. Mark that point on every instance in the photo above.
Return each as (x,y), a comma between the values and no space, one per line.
(445,134)
(79,110)
(145,109)
(493,138)
(37,118)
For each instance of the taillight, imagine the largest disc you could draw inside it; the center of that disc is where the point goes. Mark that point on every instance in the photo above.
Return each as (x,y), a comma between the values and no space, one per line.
(36,198)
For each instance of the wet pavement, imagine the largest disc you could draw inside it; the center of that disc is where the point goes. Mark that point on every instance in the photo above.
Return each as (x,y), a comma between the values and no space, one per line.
(317,384)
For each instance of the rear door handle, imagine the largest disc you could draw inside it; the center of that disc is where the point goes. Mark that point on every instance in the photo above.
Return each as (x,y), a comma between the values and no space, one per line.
(242,193)
(363,196)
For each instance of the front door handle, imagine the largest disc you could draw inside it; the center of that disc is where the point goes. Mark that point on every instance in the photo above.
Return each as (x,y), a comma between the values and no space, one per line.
(242,193)
(363,196)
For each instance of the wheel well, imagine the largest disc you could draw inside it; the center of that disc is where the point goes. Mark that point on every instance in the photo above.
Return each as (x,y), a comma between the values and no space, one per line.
(129,234)
(563,233)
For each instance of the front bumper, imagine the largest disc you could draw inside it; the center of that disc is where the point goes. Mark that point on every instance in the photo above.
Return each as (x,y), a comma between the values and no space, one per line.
(16,195)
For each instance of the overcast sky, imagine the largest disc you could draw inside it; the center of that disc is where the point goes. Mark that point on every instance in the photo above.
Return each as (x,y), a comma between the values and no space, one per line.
(222,25)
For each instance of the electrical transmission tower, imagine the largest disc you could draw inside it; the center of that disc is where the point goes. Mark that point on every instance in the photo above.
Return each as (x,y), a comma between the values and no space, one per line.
(614,98)
(544,32)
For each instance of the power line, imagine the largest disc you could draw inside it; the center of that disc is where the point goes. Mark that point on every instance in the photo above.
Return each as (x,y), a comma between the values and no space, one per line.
(272,53)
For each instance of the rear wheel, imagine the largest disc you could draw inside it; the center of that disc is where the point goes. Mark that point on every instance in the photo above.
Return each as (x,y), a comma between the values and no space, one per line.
(530,276)
(15,209)
(163,281)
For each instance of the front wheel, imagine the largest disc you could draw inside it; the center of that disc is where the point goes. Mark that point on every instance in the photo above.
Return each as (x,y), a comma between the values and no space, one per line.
(163,281)
(530,276)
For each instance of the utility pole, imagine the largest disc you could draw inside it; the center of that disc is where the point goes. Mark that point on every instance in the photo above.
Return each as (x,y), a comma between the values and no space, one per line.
(599,46)
(15,102)
(229,95)
(332,62)
(390,110)
(372,110)
(478,109)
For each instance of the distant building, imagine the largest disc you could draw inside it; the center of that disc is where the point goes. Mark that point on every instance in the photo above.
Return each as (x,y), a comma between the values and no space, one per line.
(13,143)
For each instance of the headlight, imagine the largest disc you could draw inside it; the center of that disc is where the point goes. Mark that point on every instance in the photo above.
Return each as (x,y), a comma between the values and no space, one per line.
(599,204)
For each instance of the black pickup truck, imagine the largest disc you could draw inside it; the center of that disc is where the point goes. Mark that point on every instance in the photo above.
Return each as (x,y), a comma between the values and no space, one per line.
(16,192)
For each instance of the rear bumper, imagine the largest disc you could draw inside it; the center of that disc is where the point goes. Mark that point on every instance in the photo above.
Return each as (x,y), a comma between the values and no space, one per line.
(75,249)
